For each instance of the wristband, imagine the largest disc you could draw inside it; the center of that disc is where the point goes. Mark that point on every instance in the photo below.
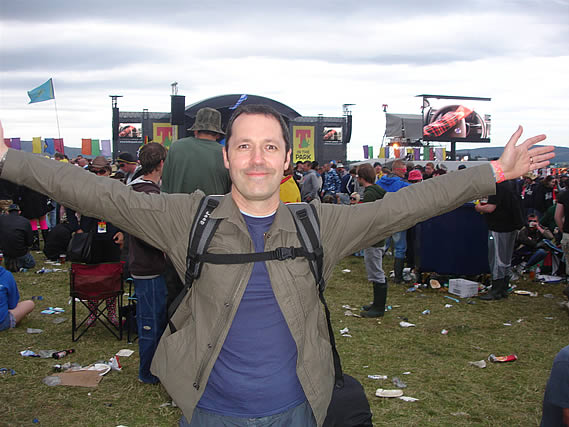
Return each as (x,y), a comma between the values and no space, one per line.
(498,171)
(2,161)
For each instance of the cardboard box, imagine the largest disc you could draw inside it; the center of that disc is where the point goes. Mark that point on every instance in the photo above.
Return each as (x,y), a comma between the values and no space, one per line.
(463,288)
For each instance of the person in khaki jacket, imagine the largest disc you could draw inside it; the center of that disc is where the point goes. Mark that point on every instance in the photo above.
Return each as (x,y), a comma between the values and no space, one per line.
(251,340)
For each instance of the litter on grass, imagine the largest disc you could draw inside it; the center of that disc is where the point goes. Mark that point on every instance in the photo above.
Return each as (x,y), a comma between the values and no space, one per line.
(398,383)
(500,359)
(34,331)
(408,398)
(380,392)
(377,377)
(426,312)
(451,298)
(346,270)
(404,324)
(125,352)
(448,305)
(526,293)
(479,364)
(350,313)
(444,332)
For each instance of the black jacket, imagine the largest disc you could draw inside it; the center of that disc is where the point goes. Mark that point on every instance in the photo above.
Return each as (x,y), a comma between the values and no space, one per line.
(15,235)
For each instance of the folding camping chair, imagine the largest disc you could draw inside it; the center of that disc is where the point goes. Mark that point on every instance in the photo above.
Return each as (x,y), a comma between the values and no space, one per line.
(90,282)
(128,312)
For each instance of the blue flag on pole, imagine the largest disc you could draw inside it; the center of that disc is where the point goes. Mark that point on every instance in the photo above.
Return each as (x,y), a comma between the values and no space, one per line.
(41,93)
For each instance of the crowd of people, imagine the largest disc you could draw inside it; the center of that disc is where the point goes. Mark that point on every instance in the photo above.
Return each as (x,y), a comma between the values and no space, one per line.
(255,330)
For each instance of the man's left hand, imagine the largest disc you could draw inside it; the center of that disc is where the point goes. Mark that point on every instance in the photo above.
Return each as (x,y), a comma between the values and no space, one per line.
(517,160)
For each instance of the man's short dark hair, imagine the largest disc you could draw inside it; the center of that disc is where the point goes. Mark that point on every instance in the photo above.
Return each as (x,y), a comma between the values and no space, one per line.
(258,109)
(376,164)
(367,173)
(150,156)
(314,164)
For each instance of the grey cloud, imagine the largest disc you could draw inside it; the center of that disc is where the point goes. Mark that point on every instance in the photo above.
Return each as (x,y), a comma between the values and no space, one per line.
(78,56)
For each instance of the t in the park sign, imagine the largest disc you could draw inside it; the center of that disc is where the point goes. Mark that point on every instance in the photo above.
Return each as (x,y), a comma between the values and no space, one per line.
(303,143)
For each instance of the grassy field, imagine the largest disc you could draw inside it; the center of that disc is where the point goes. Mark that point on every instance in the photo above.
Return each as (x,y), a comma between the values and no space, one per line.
(450,391)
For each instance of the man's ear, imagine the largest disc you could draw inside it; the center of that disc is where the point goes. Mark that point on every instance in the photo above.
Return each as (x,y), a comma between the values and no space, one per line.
(225,158)
(287,160)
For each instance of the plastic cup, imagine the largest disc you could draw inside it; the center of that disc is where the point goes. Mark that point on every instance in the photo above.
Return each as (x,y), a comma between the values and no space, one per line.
(62,258)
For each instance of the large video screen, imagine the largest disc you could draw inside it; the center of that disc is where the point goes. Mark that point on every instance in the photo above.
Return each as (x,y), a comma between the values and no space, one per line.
(456,120)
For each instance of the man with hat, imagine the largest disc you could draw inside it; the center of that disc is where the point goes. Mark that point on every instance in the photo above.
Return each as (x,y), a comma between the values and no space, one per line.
(129,166)
(16,237)
(195,163)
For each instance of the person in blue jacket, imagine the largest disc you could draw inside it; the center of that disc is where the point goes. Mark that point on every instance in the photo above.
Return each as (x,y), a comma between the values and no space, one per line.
(391,183)
(12,310)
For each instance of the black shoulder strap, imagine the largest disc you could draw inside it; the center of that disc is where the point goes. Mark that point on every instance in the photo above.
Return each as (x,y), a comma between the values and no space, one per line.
(201,233)
(308,229)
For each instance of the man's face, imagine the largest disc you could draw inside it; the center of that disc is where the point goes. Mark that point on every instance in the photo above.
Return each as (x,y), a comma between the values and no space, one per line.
(127,167)
(378,170)
(256,157)
(429,170)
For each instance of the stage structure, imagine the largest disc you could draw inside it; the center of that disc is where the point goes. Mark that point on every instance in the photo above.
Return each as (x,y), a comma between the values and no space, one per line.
(454,119)
(317,138)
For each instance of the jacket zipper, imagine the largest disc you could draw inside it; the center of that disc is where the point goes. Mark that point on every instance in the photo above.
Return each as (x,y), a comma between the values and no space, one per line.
(210,346)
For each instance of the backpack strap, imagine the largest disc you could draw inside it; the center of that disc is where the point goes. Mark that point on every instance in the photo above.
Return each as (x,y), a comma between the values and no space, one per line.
(308,229)
(201,233)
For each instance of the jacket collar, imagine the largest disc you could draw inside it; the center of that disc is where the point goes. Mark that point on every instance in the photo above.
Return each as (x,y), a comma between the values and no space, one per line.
(227,209)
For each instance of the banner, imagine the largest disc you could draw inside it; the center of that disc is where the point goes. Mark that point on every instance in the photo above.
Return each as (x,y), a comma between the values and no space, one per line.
(366,152)
(15,144)
(86,146)
(59,147)
(417,153)
(370,148)
(302,144)
(106,147)
(431,154)
(36,144)
(426,153)
(396,153)
(164,133)
(95,151)
(382,153)
(48,146)
(387,152)
(41,93)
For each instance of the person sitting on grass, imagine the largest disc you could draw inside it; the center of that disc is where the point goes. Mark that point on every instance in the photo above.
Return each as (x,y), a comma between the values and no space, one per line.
(12,310)
(530,248)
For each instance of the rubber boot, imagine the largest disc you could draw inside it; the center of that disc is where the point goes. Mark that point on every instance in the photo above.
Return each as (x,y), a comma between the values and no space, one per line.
(506,286)
(44,234)
(377,309)
(398,267)
(35,241)
(496,291)
(370,305)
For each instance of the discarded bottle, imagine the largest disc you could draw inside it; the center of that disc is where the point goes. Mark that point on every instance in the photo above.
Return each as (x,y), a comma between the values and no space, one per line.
(61,354)
(495,359)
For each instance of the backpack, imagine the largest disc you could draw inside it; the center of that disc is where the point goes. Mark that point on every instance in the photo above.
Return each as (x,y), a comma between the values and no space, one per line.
(308,229)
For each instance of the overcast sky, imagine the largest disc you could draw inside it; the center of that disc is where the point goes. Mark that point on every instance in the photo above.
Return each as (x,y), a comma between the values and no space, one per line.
(313,56)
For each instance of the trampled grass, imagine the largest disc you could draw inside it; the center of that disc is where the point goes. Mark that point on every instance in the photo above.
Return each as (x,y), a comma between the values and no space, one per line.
(450,391)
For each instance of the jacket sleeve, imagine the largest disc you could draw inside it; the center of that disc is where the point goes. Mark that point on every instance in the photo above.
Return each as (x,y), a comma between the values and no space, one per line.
(347,229)
(161,220)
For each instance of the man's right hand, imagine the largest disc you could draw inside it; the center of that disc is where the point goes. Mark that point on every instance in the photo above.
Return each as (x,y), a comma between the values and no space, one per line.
(3,146)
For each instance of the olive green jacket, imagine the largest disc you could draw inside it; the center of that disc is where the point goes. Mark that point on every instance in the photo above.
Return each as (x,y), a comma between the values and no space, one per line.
(184,360)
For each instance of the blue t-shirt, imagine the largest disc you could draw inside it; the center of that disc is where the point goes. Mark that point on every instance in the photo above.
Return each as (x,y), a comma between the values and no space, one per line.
(255,373)
(557,391)
(9,295)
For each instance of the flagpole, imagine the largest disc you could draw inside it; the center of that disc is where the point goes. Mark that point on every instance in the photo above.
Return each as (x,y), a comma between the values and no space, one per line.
(56,116)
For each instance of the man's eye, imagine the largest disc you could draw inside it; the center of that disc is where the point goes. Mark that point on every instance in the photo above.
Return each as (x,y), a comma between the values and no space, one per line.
(243,146)
(271,147)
